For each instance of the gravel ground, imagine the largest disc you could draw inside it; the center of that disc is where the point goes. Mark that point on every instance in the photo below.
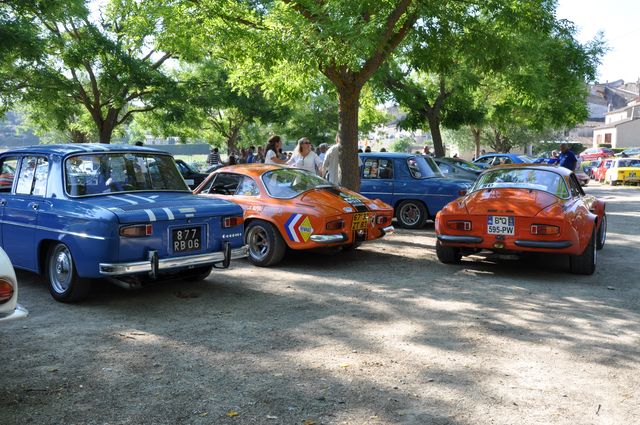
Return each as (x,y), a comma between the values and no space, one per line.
(383,335)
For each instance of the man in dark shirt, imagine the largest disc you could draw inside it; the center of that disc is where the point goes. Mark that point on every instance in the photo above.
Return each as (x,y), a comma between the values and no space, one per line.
(567,159)
(214,157)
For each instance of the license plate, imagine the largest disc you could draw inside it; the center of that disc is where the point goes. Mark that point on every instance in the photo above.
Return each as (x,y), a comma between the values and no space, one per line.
(500,225)
(186,239)
(360,221)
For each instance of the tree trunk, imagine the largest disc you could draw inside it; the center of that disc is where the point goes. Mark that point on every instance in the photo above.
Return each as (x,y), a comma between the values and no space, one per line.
(434,126)
(476,133)
(106,125)
(349,103)
(232,138)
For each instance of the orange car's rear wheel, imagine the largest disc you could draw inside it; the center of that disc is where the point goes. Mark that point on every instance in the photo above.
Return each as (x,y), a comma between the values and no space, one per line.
(448,254)
(585,263)
(265,244)
(602,232)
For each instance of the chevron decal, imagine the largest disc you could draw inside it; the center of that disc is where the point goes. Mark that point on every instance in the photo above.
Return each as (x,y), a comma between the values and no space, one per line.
(298,228)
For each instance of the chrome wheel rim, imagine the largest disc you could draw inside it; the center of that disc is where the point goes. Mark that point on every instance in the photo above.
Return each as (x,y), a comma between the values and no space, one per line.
(603,230)
(258,242)
(410,214)
(61,269)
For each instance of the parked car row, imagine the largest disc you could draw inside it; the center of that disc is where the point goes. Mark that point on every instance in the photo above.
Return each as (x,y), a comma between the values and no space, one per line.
(79,212)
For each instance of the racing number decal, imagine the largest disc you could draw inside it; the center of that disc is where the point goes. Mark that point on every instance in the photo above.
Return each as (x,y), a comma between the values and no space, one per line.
(299,228)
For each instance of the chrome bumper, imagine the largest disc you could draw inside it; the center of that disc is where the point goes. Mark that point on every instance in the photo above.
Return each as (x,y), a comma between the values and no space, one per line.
(18,313)
(328,238)
(154,264)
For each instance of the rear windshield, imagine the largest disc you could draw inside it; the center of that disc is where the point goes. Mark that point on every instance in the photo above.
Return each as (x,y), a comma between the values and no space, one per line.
(98,173)
(468,165)
(523,178)
(288,183)
(423,167)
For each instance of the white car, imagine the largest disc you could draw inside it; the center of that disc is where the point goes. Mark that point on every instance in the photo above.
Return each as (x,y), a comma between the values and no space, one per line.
(9,307)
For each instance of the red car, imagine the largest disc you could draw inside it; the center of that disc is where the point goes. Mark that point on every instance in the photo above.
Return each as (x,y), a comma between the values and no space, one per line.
(596,153)
(600,170)
(524,208)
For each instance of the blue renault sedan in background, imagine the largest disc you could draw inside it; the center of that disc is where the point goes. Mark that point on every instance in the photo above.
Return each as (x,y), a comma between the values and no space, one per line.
(412,184)
(82,211)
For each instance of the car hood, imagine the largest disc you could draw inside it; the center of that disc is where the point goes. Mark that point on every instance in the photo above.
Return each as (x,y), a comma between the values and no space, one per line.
(336,199)
(518,202)
(149,206)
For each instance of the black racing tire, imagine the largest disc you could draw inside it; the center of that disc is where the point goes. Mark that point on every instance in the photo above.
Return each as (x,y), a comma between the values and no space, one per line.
(266,246)
(448,254)
(585,263)
(64,283)
(411,214)
(602,232)
(197,274)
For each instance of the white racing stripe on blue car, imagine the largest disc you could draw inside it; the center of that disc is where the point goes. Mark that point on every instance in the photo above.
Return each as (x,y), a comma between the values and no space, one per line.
(169,213)
(140,197)
(123,199)
(152,216)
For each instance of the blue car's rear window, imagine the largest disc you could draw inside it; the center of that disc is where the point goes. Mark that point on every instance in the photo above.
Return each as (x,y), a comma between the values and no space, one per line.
(113,172)
(422,167)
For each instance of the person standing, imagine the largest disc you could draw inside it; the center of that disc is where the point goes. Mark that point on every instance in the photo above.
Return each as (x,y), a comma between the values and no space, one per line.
(250,156)
(274,145)
(305,158)
(331,164)
(322,150)
(567,159)
(259,156)
(214,157)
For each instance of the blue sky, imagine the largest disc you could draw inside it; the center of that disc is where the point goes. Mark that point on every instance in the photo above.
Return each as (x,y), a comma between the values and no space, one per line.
(620,22)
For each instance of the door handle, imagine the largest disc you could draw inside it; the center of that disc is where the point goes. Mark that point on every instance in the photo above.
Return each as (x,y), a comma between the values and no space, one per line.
(33,205)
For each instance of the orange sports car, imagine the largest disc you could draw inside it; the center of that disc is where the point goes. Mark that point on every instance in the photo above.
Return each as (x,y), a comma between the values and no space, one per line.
(288,207)
(520,208)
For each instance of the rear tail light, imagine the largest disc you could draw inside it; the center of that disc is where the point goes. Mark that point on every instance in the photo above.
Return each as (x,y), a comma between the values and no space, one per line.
(459,225)
(335,225)
(544,229)
(6,291)
(462,192)
(381,219)
(136,231)
(232,221)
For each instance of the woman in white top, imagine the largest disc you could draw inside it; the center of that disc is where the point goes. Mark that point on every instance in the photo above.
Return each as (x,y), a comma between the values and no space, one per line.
(271,151)
(306,159)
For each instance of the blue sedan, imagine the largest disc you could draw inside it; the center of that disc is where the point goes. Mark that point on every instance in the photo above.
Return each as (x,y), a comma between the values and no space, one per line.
(412,184)
(77,212)
(492,159)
